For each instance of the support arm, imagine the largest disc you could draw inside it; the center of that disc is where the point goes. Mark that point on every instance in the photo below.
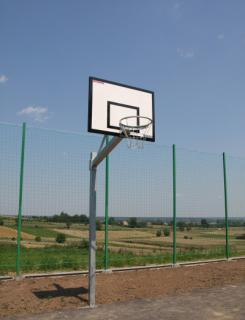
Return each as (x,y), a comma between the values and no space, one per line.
(105,151)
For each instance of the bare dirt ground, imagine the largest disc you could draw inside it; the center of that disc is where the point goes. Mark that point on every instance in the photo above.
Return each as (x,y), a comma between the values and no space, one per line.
(9,233)
(41,295)
(222,303)
(113,235)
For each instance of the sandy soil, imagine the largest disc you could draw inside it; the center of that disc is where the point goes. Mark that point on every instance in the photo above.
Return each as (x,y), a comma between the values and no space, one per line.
(9,233)
(56,293)
(113,235)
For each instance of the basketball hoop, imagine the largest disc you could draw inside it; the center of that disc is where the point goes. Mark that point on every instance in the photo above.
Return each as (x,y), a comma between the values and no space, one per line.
(135,129)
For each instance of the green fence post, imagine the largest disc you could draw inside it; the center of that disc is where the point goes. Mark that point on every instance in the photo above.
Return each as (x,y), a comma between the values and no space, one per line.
(227,245)
(20,198)
(174,204)
(106,255)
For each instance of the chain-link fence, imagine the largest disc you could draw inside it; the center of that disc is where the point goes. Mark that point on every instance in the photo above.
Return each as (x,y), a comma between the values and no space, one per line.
(152,207)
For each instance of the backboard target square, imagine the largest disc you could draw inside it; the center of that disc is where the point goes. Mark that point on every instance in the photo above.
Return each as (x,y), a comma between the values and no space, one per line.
(109,102)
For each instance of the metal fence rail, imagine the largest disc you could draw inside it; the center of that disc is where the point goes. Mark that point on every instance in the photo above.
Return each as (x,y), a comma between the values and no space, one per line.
(157,205)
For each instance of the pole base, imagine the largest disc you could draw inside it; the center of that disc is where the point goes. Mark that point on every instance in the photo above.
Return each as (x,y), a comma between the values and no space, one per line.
(175,265)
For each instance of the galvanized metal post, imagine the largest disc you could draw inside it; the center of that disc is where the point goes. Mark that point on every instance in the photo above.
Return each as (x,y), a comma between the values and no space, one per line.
(22,159)
(174,203)
(106,255)
(227,244)
(92,232)
(95,160)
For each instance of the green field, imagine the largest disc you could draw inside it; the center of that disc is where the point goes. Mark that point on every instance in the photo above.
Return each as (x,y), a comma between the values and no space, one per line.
(76,258)
(127,246)
(40,231)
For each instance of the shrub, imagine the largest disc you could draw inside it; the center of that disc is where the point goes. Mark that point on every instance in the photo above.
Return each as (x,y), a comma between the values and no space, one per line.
(132,222)
(98,224)
(204,223)
(181,225)
(38,239)
(188,228)
(166,232)
(68,224)
(1,221)
(84,244)
(111,221)
(241,237)
(141,224)
(60,238)
(186,237)
(158,233)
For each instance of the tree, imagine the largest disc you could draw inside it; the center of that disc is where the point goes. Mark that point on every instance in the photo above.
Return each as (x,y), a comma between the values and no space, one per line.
(60,238)
(83,219)
(98,224)
(204,223)
(111,221)
(132,222)
(181,225)
(141,224)
(68,224)
(158,233)
(1,221)
(166,232)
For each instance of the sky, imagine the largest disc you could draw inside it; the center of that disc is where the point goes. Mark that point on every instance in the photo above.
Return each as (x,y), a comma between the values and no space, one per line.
(190,53)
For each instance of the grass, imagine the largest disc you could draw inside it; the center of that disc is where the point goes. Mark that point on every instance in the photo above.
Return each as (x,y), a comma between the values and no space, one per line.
(76,258)
(39,231)
(43,259)
(71,256)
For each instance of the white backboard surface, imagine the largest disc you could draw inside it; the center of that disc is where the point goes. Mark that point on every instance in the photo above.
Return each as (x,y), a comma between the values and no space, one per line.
(109,102)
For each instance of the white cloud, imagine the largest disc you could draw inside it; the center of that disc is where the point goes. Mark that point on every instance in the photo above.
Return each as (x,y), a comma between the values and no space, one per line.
(38,114)
(220,36)
(3,78)
(185,53)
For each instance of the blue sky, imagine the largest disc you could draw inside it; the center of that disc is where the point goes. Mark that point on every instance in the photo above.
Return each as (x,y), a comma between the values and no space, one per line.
(191,53)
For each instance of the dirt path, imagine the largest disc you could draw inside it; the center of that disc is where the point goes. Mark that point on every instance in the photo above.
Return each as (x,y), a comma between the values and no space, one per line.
(70,292)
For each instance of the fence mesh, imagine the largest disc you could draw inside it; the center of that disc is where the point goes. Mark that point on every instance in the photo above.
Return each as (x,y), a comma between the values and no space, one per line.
(55,213)
(200,203)
(140,205)
(236,204)
(10,141)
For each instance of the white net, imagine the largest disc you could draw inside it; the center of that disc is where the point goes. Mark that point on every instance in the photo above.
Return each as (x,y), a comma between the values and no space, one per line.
(136,130)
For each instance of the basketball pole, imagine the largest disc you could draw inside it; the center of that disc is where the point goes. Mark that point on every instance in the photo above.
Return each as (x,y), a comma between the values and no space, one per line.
(92,232)
(95,160)
(227,244)
(174,202)
(106,263)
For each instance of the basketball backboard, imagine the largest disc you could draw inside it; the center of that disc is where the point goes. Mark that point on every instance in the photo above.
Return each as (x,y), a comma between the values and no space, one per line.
(109,102)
